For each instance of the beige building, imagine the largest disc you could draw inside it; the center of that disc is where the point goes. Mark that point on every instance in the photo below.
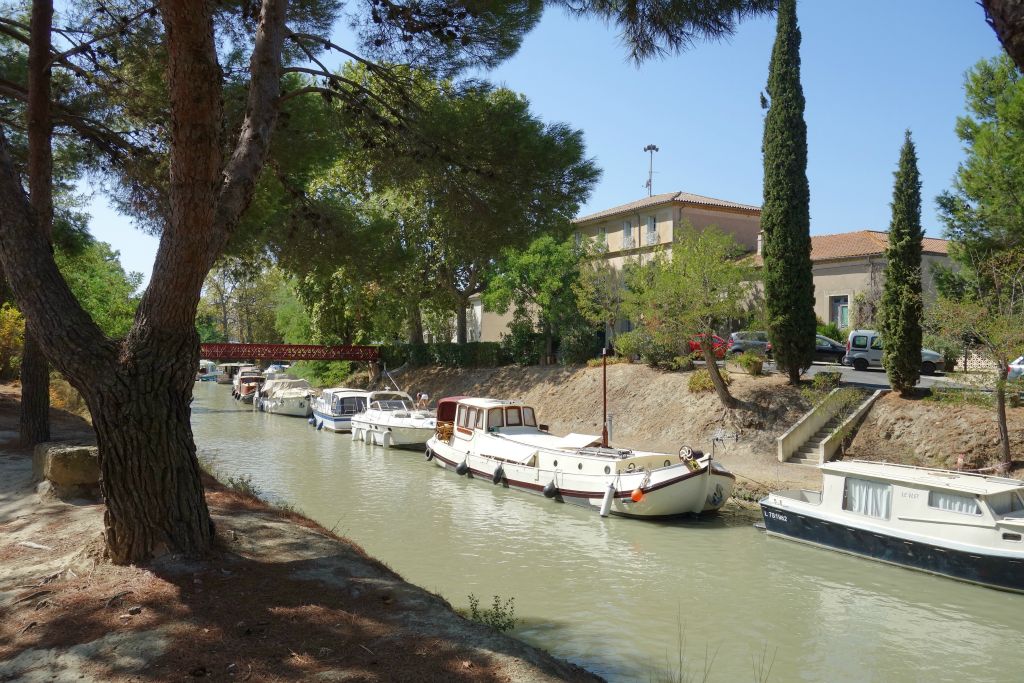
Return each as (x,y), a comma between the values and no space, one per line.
(849,268)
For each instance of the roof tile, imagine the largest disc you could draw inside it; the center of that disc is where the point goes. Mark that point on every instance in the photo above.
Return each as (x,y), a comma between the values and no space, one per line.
(666,198)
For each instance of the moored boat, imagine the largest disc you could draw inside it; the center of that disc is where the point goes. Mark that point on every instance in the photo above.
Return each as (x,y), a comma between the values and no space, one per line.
(955,524)
(390,419)
(502,442)
(285,396)
(248,385)
(333,408)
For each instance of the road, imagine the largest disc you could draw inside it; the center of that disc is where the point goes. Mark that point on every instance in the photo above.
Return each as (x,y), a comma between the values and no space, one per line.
(873,379)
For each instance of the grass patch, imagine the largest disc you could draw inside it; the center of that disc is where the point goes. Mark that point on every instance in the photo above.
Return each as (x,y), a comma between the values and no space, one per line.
(501,615)
(700,381)
(960,397)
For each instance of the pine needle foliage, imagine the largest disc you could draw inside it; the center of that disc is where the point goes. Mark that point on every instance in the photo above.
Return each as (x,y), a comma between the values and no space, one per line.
(902,304)
(785,213)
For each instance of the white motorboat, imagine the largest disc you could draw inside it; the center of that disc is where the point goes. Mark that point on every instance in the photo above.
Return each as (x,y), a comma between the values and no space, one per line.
(501,442)
(964,526)
(208,371)
(248,385)
(285,396)
(333,408)
(240,372)
(390,419)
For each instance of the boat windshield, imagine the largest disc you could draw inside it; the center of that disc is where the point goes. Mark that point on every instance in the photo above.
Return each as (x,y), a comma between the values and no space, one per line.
(1007,504)
(391,405)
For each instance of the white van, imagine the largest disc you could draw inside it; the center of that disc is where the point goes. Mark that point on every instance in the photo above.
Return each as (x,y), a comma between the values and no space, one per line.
(864,350)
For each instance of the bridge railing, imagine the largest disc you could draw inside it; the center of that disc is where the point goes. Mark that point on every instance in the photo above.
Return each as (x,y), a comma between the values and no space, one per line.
(229,351)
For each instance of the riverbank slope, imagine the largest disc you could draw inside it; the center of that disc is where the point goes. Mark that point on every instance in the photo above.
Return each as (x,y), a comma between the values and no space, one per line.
(280,599)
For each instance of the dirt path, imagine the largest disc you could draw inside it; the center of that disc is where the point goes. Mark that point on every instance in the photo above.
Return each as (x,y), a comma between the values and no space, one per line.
(281,599)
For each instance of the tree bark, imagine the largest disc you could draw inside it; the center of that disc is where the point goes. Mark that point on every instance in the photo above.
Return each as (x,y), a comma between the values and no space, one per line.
(34,423)
(461,322)
(1004,432)
(1006,17)
(715,374)
(415,324)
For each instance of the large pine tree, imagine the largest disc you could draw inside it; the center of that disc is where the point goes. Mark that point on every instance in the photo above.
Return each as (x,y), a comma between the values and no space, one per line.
(902,305)
(785,215)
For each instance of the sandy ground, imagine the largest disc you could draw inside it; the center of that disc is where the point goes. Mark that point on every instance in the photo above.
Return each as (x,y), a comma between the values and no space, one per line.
(932,434)
(280,599)
(650,408)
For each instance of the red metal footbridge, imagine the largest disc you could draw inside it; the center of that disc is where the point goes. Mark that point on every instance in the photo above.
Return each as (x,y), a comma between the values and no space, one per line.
(287,352)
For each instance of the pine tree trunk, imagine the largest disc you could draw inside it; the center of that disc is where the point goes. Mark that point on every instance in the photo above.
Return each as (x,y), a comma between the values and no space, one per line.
(461,323)
(34,426)
(716,376)
(150,475)
(1006,17)
(1004,432)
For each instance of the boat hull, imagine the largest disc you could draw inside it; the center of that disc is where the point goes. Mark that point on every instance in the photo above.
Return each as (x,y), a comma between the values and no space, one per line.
(1001,572)
(396,436)
(293,407)
(678,491)
(334,423)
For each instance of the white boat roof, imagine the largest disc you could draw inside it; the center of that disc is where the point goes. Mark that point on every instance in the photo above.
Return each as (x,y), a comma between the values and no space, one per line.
(490,402)
(941,479)
(344,390)
(389,395)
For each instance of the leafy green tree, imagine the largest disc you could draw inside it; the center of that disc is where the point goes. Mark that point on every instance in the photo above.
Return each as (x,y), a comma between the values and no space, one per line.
(102,287)
(539,284)
(902,304)
(785,214)
(702,286)
(983,298)
(601,290)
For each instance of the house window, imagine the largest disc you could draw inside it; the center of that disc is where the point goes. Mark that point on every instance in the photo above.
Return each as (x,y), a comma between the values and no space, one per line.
(601,235)
(627,235)
(869,498)
(839,311)
(652,231)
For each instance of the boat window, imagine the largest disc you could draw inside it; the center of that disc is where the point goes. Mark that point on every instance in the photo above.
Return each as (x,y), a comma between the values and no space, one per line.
(495,418)
(953,502)
(471,417)
(513,417)
(479,423)
(865,497)
(350,405)
(463,411)
(1006,503)
(528,419)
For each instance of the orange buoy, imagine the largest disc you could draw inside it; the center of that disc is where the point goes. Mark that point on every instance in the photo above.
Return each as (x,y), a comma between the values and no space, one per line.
(637,495)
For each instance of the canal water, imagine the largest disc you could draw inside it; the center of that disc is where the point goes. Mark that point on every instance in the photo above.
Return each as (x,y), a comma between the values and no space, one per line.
(624,598)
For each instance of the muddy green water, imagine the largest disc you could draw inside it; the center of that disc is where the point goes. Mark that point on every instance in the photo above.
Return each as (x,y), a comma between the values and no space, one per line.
(624,598)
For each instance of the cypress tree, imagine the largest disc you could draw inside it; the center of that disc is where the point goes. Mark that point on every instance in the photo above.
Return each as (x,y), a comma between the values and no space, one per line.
(902,305)
(785,214)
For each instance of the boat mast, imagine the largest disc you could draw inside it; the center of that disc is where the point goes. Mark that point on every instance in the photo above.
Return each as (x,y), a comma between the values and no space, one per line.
(604,397)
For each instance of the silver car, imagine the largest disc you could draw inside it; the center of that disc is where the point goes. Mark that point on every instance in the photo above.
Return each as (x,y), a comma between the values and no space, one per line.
(864,350)
(1016,369)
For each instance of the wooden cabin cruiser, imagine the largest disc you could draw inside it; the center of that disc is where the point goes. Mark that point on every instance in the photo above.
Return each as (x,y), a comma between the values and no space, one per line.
(964,526)
(333,408)
(248,385)
(390,419)
(240,372)
(501,442)
(285,396)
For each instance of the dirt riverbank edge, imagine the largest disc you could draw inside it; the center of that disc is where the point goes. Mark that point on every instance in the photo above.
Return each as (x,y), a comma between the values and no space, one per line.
(281,598)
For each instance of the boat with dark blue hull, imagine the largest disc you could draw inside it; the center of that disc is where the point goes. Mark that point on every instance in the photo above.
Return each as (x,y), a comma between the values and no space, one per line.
(964,526)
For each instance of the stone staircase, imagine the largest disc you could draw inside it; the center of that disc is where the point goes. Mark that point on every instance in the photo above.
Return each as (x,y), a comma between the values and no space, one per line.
(808,454)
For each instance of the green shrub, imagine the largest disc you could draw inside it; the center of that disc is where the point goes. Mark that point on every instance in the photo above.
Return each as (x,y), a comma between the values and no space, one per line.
(952,352)
(501,615)
(751,362)
(830,330)
(578,344)
(446,354)
(12,336)
(701,381)
(325,373)
(632,344)
(522,344)
(826,381)
(683,363)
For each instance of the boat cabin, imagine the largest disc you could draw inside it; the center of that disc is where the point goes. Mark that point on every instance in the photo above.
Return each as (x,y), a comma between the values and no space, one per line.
(968,508)
(486,414)
(344,401)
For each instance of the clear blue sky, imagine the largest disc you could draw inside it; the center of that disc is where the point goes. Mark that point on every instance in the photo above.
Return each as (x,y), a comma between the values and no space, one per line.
(871,69)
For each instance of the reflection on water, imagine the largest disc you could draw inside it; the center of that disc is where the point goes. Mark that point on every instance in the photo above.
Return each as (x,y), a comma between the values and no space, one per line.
(615,595)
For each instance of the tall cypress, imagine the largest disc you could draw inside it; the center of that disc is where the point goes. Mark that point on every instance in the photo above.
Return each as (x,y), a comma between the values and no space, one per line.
(786,215)
(902,306)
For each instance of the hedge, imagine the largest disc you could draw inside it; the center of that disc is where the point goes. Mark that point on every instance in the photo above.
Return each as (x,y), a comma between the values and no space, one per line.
(469,355)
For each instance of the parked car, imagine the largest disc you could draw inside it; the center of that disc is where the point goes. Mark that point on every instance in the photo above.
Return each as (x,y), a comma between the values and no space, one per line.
(828,350)
(864,350)
(749,341)
(1016,369)
(718,346)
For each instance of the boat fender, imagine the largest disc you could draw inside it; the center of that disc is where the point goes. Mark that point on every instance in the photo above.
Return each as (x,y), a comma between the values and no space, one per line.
(319,426)
(311,420)
(428,454)
(550,491)
(606,504)
(499,474)
(462,468)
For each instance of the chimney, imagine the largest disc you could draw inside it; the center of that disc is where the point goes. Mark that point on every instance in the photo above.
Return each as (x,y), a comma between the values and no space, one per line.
(760,237)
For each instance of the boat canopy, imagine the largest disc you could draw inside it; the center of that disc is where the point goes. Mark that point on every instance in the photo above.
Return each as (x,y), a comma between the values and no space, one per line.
(275,387)
(446,408)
